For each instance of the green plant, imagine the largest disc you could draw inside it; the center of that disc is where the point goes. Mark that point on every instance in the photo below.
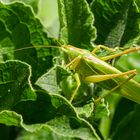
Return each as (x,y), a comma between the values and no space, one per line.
(35,85)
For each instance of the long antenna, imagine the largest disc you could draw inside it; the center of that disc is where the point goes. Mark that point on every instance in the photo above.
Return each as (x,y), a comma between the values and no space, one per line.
(41,46)
(31,47)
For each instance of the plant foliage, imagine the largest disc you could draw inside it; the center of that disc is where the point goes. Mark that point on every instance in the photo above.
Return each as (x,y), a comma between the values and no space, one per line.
(35,85)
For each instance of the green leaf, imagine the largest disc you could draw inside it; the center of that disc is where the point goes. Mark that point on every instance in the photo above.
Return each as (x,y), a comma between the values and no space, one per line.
(60,129)
(41,135)
(122,109)
(14,84)
(113,20)
(137,4)
(33,3)
(51,80)
(10,118)
(86,110)
(18,32)
(61,81)
(48,81)
(76,23)
(51,114)
(129,127)
(101,110)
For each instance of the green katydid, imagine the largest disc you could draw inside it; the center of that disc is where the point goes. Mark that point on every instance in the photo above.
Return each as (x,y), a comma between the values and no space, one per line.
(92,69)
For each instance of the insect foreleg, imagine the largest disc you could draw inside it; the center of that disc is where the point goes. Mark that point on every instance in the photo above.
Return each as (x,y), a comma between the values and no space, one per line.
(73,64)
(103,47)
(76,76)
(115,88)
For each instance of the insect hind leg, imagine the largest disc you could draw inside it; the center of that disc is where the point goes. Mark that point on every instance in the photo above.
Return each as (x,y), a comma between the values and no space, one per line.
(120,53)
(115,88)
(100,78)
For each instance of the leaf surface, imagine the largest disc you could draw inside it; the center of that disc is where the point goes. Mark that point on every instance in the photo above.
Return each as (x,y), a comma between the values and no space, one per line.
(76,23)
(129,126)
(15,84)
(113,20)
(51,114)
(21,29)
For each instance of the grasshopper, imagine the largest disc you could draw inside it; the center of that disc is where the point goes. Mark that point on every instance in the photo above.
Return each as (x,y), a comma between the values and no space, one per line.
(92,69)
(89,68)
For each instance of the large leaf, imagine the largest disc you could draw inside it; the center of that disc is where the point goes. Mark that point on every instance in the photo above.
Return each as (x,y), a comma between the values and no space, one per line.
(137,4)
(33,3)
(121,110)
(76,23)
(129,127)
(57,80)
(51,114)
(50,81)
(117,22)
(62,81)
(14,84)
(19,29)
